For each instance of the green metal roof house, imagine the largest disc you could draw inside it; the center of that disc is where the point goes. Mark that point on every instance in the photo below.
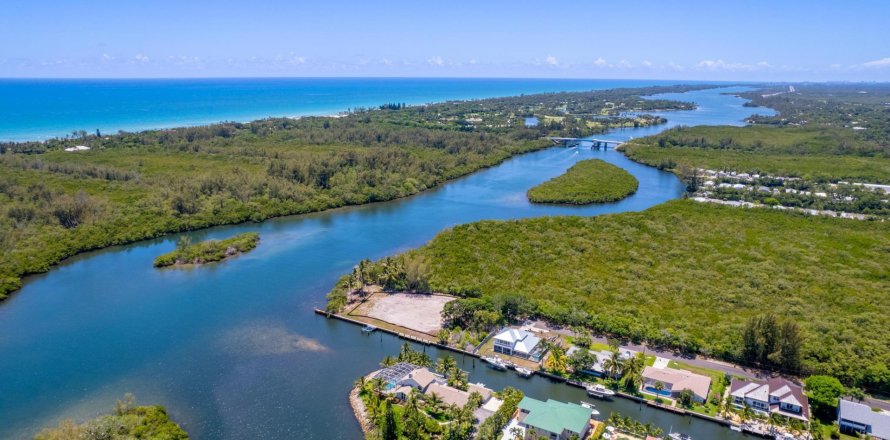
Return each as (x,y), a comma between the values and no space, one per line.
(553,419)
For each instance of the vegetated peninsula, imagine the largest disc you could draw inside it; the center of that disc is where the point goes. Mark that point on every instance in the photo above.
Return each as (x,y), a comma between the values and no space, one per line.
(132,186)
(127,421)
(588,181)
(683,274)
(209,251)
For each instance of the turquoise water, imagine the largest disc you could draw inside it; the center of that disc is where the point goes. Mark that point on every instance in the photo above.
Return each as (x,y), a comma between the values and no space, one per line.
(40,109)
(234,351)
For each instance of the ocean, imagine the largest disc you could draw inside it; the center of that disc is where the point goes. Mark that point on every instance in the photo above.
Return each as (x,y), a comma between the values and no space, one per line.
(39,109)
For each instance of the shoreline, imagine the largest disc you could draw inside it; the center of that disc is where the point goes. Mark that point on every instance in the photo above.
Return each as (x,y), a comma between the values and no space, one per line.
(528,147)
(360,412)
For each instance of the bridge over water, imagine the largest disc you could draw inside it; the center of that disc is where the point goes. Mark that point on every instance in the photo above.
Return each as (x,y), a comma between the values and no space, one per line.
(594,143)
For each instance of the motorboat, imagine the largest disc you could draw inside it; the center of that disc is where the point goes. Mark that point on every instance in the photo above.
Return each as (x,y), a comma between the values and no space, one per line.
(524,372)
(495,363)
(599,390)
(368,328)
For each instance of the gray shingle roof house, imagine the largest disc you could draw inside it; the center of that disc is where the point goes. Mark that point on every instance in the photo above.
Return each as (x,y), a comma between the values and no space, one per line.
(777,395)
(856,418)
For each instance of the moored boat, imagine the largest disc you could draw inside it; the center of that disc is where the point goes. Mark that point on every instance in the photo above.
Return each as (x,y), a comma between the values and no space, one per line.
(524,372)
(368,328)
(598,390)
(495,363)
(678,436)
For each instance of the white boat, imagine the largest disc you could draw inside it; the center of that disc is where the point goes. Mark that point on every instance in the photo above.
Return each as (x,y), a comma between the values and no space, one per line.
(678,436)
(524,372)
(735,428)
(598,390)
(589,406)
(495,363)
(368,328)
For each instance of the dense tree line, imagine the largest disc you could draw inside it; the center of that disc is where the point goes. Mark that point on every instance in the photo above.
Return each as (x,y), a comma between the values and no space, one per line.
(686,275)
(772,343)
(132,186)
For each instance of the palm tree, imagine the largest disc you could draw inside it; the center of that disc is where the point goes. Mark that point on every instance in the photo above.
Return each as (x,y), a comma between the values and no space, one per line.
(557,360)
(360,383)
(612,364)
(446,365)
(632,371)
(747,413)
(433,402)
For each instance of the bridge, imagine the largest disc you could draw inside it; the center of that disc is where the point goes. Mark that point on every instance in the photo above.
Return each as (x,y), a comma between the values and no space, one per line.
(594,143)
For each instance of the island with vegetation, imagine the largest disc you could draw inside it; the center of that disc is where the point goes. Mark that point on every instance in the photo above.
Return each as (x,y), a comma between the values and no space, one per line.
(126,422)
(588,181)
(209,251)
(132,186)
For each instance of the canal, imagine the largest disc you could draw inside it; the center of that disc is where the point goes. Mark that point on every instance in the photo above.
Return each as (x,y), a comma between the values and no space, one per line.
(234,351)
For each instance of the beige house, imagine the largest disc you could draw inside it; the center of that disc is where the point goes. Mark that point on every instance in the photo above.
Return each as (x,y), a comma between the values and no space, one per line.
(674,381)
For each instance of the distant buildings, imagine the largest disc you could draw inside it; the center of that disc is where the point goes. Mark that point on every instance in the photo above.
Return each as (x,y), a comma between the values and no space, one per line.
(674,381)
(856,418)
(516,342)
(553,419)
(77,148)
(775,396)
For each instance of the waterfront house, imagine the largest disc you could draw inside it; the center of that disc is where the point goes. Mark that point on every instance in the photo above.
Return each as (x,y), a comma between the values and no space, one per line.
(597,368)
(674,381)
(553,419)
(775,396)
(401,379)
(516,342)
(856,418)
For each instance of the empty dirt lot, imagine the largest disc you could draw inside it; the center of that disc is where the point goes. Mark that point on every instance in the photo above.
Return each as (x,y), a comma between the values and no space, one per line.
(417,312)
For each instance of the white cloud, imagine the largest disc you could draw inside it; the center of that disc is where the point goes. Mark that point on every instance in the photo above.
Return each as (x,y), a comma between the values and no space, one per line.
(551,60)
(600,62)
(877,64)
(436,61)
(715,65)
(646,63)
(140,58)
(625,64)
(674,66)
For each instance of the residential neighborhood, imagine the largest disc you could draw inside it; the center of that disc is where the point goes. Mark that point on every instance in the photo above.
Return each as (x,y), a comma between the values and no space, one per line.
(759,404)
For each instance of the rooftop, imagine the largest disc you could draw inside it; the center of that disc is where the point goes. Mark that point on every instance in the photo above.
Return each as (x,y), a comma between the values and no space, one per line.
(680,380)
(554,416)
(862,414)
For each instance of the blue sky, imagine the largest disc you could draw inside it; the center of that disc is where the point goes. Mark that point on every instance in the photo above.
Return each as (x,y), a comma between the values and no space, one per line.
(712,40)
